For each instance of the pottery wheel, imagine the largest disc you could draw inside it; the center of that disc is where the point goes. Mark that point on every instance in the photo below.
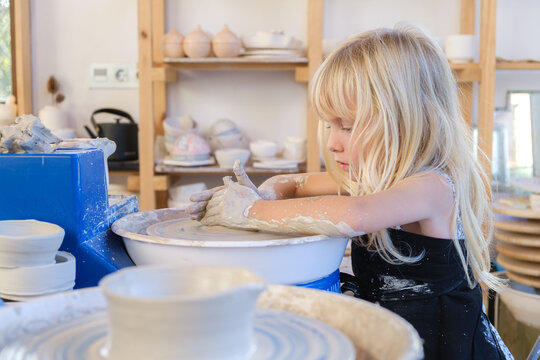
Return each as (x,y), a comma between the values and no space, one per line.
(277,334)
(187,229)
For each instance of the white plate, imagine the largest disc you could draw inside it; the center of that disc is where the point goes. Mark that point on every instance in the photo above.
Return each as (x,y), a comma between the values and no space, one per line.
(209,161)
(277,164)
(277,334)
(530,184)
(273,52)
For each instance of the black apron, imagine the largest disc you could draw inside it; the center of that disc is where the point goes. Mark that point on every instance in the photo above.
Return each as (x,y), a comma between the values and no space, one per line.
(432,294)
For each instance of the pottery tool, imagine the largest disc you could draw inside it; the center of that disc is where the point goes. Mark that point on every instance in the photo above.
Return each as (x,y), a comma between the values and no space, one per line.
(68,187)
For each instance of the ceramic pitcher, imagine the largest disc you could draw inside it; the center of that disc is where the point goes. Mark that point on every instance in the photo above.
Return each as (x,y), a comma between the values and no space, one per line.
(198,312)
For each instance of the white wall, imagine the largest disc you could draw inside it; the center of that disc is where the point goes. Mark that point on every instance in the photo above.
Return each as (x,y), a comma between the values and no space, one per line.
(68,35)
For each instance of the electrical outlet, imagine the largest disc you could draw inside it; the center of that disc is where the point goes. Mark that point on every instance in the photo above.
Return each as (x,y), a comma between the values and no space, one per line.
(113,75)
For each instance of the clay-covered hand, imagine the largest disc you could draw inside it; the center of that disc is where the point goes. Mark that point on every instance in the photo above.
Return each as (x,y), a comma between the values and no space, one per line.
(230,206)
(200,200)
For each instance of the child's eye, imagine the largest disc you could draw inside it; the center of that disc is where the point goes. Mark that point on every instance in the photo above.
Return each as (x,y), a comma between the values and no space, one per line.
(346,129)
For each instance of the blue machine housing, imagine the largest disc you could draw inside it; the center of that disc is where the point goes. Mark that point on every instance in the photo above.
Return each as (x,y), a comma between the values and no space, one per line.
(69,188)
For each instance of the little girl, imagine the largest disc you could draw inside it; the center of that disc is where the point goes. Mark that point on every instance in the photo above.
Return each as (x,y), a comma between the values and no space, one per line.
(402,181)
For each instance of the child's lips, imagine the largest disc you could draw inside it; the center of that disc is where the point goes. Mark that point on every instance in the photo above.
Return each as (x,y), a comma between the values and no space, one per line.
(343,166)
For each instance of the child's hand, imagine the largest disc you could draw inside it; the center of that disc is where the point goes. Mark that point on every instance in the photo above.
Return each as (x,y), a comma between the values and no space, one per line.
(200,200)
(230,205)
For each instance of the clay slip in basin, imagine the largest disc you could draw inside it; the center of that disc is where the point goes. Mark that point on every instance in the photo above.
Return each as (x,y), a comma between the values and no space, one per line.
(28,243)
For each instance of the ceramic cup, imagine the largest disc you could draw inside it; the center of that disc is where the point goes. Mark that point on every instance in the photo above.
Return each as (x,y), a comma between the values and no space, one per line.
(294,148)
(164,312)
(460,48)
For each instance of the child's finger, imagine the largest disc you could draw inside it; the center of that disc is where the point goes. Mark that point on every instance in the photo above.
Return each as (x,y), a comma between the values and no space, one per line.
(210,220)
(198,216)
(204,195)
(227,180)
(196,207)
(242,177)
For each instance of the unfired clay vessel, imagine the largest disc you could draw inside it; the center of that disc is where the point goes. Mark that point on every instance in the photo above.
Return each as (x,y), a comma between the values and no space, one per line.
(39,280)
(180,313)
(197,44)
(29,243)
(226,44)
(171,44)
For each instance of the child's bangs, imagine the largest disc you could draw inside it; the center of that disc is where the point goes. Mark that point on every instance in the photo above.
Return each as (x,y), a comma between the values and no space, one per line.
(335,94)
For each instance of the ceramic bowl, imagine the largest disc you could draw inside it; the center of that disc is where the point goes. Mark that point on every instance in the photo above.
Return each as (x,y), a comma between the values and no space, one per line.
(274,257)
(28,243)
(190,147)
(263,149)
(39,280)
(227,157)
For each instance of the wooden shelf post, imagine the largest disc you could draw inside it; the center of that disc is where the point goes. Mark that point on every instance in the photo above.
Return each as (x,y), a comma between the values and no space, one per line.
(486,88)
(146,106)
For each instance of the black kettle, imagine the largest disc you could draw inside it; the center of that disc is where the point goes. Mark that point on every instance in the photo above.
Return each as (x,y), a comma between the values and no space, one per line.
(124,134)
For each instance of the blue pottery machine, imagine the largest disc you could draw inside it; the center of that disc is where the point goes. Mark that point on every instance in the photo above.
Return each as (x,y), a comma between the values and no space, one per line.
(69,188)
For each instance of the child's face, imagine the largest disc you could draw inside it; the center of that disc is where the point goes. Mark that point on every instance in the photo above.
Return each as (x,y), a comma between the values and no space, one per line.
(338,142)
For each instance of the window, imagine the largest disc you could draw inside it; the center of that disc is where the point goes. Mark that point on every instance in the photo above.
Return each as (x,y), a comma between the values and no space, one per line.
(516,137)
(5,51)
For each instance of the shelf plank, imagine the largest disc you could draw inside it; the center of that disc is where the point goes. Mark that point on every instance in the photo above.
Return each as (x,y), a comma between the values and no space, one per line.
(239,63)
(518,65)
(216,170)
(467,72)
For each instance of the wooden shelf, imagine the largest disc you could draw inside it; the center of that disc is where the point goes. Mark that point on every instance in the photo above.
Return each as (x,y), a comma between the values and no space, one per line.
(517,65)
(216,170)
(467,72)
(166,71)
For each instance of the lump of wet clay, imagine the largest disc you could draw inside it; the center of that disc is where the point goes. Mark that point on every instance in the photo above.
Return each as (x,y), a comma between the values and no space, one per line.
(27,135)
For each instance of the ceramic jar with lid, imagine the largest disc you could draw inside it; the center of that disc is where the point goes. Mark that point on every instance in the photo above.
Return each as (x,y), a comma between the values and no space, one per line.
(226,44)
(197,44)
(171,44)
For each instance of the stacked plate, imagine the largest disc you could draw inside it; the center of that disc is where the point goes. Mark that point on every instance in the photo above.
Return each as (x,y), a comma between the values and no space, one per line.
(517,229)
(30,263)
(273,44)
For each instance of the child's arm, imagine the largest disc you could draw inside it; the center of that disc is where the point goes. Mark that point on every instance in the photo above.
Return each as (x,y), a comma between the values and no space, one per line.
(426,199)
(298,185)
(275,188)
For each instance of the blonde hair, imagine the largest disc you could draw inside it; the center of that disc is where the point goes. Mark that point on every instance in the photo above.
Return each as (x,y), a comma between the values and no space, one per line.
(398,87)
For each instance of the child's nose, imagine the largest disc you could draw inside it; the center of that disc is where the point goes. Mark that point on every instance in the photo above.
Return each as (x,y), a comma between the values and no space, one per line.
(333,144)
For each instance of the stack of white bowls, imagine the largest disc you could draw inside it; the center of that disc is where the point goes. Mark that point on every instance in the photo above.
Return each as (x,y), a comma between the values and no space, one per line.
(30,263)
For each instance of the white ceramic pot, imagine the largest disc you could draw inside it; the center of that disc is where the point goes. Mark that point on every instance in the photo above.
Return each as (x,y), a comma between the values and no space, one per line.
(460,48)
(263,149)
(39,280)
(29,243)
(277,258)
(175,312)
(294,148)
(53,117)
(227,157)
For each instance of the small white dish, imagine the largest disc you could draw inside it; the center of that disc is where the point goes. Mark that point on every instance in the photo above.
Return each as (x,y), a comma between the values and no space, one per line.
(28,243)
(227,157)
(187,163)
(263,148)
(39,280)
(277,164)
